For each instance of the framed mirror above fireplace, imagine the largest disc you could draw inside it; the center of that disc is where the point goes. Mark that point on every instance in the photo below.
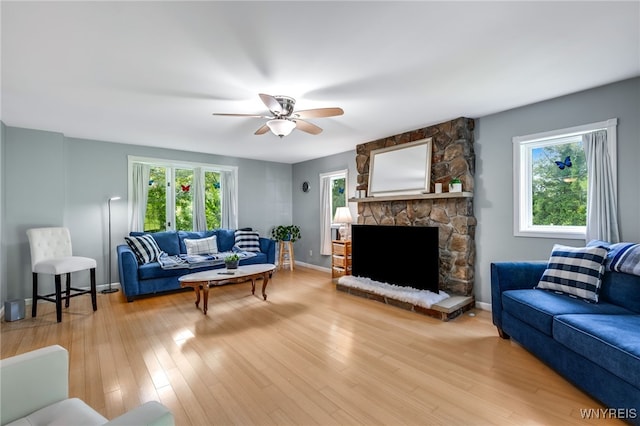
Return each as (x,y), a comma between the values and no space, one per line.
(401,169)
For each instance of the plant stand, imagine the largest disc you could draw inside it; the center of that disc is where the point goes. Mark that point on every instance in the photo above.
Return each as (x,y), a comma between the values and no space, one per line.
(285,254)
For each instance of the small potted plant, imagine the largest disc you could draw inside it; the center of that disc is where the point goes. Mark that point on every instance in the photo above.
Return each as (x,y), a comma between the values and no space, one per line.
(231,261)
(286,233)
(455,185)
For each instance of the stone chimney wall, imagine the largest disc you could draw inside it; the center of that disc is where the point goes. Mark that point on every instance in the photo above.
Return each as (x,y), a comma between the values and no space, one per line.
(453,157)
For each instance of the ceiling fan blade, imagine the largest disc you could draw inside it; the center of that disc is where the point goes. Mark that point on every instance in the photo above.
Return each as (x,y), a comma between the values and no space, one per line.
(318,112)
(271,103)
(305,126)
(262,130)
(242,115)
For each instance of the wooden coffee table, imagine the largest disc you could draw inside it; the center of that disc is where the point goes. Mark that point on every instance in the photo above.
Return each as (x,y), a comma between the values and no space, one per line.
(214,277)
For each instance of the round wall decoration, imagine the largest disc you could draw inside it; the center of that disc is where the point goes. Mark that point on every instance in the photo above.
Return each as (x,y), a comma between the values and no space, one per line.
(305,186)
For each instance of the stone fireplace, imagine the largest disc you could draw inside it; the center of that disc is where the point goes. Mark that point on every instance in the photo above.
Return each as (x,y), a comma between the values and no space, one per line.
(453,157)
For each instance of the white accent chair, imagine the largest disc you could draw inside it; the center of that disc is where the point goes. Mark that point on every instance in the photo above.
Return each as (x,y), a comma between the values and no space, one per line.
(51,254)
(35,391)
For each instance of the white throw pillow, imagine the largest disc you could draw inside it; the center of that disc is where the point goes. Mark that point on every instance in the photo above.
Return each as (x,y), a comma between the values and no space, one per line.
(207,245)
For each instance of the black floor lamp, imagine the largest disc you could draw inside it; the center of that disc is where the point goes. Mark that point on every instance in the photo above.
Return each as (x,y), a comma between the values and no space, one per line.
(110,289)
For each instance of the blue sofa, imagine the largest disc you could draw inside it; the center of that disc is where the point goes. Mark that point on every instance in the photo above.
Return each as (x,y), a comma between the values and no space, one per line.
(137,280)
(596,346)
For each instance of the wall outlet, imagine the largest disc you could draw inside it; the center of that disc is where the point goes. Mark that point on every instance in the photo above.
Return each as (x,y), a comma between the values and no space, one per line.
(310,252)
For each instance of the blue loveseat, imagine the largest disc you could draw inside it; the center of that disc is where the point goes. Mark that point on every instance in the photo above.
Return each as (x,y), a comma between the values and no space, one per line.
(596,346)
(137,280)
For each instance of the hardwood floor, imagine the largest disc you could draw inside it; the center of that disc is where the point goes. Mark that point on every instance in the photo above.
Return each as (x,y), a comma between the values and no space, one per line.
(307,355)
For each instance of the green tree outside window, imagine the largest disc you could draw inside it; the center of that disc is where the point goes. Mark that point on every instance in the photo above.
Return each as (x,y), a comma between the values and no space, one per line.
(559,196)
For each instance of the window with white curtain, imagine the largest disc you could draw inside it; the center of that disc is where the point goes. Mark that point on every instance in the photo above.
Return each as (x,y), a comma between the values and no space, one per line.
(333,194)
(552,181)
(182,196)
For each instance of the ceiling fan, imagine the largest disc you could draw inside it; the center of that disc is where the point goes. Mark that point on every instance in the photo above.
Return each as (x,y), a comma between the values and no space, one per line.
(284,119)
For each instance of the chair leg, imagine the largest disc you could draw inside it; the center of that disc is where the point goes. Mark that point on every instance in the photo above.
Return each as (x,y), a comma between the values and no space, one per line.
(58,298)
(94,301)
(34,303)
(68,293)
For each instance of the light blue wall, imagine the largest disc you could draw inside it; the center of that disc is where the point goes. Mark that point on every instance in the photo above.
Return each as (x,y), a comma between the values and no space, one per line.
(3,251)
(306,205)
(494,199)
(55,180)
(34,174)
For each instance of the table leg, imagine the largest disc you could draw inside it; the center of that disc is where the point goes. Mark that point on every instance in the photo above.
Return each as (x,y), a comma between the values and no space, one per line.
(253,285)
(196,289)
(205,296)
(265,281)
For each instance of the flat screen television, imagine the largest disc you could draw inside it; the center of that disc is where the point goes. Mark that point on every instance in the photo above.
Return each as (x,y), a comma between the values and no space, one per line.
(401,255)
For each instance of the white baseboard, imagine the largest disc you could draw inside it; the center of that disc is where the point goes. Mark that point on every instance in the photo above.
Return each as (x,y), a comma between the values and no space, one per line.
(29,301)
(484,306)
(312,266)
(99,288)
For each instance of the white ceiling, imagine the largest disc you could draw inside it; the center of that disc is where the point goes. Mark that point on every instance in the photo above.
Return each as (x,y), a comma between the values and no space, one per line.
(152,73)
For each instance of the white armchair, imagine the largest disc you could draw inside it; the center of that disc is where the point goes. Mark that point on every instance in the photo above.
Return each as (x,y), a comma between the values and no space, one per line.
(34,390)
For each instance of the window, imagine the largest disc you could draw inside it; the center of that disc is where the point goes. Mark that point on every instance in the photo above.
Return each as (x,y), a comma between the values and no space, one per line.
(181,196)
(551,182)
(338,194)
(333,194)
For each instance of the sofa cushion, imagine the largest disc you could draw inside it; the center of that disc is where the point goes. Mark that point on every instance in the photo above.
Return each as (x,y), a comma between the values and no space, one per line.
(66,412)
(167,240)
(201,245)
(144,247)
(154,270)
(226,239)
(247,240)
(611,341)
(621,289)
(575,270)
(537,308)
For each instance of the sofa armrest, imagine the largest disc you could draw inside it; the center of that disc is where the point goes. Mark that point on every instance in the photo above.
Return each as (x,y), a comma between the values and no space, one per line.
(512,276)
(128,271)
(33,380)
(268,246)
(150,413)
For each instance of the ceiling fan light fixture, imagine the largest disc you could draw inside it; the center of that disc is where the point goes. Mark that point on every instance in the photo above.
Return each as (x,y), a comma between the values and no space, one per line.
(281,127)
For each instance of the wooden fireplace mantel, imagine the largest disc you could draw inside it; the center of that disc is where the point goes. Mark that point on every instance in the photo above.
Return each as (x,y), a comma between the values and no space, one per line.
(428,196)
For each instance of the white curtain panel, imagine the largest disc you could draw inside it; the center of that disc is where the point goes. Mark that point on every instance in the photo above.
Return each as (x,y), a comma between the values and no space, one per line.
(325,215)
(602,204)
(228,200)
(140,193)
(199,215)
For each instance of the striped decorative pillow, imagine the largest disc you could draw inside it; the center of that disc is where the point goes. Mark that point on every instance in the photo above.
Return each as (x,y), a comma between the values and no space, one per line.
(576,271)
(248,240)
(145,248)
(207,245)
(622,257)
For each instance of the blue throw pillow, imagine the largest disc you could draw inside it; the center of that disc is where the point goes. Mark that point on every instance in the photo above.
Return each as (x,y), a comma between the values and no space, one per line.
(576,271)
